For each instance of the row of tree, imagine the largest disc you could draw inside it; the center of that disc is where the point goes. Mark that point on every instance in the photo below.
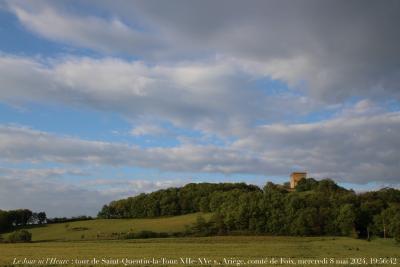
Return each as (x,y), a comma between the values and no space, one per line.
(173,201)
(314,208)
(68,219)
(15,218)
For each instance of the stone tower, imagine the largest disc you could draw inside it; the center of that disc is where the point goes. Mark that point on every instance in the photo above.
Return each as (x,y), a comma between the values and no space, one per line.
(295,177)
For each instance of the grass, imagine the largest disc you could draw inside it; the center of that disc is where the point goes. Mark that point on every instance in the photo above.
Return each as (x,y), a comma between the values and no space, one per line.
(103,229)
(213,248)
(85,240)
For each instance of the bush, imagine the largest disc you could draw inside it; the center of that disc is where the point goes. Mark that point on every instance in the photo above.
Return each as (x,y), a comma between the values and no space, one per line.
(150,234)
(396,231)
(145,234)
(203,228)
(19,236)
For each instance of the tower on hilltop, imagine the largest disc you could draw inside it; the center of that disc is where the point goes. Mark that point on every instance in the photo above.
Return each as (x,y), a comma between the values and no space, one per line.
(295,177)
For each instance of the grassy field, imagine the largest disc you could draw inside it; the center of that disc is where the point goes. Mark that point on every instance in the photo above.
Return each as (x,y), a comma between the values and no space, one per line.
(212,248)
(102,229)
(86,240)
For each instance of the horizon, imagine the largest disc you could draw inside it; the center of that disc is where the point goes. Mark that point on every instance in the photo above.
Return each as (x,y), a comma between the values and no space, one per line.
(94,215)
(100,101)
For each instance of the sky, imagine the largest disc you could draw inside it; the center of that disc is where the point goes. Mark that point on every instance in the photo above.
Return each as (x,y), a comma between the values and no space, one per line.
(101,100)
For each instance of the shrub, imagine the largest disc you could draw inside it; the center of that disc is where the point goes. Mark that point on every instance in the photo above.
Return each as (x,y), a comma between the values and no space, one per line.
(19,236)
(396,231)
(145,234)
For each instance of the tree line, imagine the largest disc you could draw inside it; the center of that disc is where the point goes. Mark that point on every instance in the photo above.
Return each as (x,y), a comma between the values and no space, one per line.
(172,201)
(12,219)
(69,219)
(313,208)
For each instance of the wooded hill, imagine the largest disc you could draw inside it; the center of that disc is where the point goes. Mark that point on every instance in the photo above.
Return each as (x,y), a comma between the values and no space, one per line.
(313,208)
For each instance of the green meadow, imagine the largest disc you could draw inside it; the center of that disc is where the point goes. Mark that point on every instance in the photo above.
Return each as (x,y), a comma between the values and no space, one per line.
(77,242)
(228,248)
(109,228)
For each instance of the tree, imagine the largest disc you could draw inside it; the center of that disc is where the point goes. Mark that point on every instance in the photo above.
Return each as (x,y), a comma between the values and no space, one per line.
(104,213)
(346,219)
(5,221)
(314,208)
(172,201)
(306,184)
(201,227)
(389,221)
(395,230)
(41,217)
(34,218)
(20,217)
(19,236)
(305,222)
(217,222)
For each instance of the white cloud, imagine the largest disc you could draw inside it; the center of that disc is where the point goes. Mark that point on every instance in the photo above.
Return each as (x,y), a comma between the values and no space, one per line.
(359,145)
(27,145)
(106,35)
(212,96)
(44,190)
(48,190)
(148,129)
(23,144)
(54,197)
(129,187)
(40,174)
(337,49)
(202,67)
(353,147)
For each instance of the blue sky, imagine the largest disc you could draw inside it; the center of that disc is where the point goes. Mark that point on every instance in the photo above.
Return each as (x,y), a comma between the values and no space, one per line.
(104,101)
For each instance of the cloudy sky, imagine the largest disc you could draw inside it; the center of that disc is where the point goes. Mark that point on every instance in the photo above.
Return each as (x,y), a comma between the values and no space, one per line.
(101,100)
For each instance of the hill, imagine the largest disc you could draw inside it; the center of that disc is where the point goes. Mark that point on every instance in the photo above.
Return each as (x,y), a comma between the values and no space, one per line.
(312,208)
(190,198)
(104,228)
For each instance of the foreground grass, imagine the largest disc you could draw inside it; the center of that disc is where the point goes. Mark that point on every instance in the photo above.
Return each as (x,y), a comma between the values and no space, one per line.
(213,248)
(103,229)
